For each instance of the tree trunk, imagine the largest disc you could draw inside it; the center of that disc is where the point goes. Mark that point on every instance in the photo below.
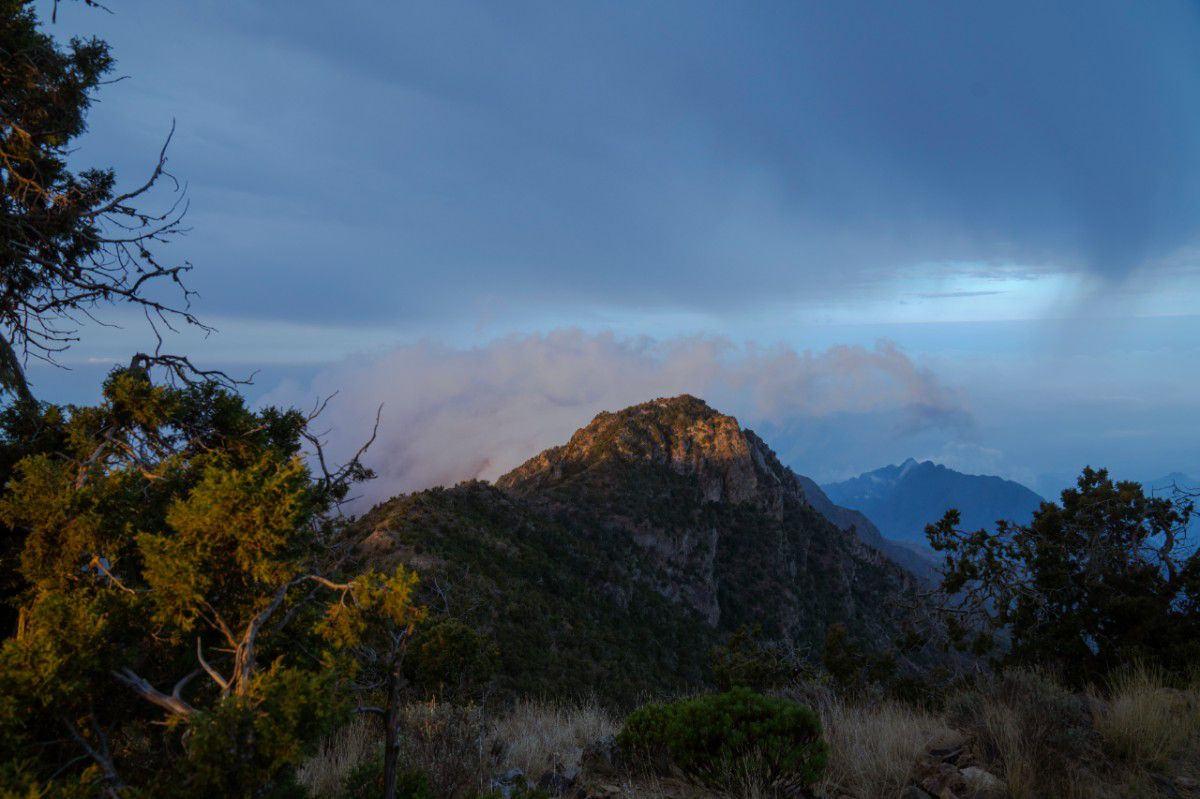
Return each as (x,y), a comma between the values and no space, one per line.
(12,376)
(391,732)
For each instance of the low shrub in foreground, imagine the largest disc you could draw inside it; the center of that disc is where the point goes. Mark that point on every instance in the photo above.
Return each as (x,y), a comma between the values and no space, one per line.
(716,739)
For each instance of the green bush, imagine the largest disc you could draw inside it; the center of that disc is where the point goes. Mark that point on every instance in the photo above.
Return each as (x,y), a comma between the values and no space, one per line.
(448,657)
(721,739)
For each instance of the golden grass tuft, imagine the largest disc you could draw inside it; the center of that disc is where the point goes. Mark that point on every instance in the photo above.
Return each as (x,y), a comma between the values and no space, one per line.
(537,737)
(1143,722)
(324,773)
(873,749)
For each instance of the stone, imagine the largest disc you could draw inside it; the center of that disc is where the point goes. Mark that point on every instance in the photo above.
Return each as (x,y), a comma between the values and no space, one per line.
(941,780)
(981,784)
(558,781)
(600,757)
(916,792)
(947,755)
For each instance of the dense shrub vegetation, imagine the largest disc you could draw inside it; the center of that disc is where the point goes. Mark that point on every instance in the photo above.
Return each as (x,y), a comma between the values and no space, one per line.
(1095,583)
(747,661)
(545,600)
(183,623)
(715,738)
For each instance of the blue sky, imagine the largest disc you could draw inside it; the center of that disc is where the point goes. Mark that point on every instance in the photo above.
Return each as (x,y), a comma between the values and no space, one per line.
(1008,192)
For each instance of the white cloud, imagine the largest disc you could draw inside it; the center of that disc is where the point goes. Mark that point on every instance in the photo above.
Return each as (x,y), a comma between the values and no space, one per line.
(451,414)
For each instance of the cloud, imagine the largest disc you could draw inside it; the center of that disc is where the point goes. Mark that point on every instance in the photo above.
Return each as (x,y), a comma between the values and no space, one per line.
(954,295)
(678,155)
(452,414)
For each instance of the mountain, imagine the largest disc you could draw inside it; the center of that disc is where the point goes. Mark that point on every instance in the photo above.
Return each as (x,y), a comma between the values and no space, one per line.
(902,499)
(621,557)
(1169,485)
(917,560)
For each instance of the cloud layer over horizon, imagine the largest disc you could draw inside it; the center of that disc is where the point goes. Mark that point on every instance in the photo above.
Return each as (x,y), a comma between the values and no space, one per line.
(456,414)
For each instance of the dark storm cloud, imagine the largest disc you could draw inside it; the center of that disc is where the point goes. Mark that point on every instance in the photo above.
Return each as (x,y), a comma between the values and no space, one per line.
(401,162)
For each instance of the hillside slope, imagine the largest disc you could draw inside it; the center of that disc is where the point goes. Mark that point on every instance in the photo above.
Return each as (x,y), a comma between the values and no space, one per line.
(913,558)
(617,559)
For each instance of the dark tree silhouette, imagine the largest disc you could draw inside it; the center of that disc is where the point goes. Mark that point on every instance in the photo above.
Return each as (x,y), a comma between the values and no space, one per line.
(1097,582)
(71,242)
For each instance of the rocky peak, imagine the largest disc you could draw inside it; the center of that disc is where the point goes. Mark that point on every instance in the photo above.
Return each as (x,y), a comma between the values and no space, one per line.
(682,432)
(718,524)
(730,464)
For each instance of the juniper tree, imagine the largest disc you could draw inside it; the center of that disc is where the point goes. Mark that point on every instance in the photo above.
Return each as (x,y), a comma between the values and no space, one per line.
(1100,580)
(187,627)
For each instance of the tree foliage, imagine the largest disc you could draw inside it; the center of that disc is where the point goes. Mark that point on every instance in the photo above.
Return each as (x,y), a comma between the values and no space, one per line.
(183,624)
(745,660)
(71,241)
(1093,583)
(184,621)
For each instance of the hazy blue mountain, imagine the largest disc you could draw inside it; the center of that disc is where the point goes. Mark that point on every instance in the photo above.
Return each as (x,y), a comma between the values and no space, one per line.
(902,499)
(1167,485)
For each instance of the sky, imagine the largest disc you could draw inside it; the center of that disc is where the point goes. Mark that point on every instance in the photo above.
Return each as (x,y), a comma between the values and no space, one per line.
(964,232)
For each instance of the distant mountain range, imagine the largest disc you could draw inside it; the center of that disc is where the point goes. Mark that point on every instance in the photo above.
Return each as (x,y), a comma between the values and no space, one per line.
(902,499)
(1168,484)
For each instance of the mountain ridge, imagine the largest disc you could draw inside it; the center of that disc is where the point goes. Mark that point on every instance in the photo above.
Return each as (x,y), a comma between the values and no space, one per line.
(745,455)
(902,498)
(663,522)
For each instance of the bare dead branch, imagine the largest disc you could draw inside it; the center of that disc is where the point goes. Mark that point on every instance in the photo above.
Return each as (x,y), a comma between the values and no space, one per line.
(209,670)
(99,754)
(172,703)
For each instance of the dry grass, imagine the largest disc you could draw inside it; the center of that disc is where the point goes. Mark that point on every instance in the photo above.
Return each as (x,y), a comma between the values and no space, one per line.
(537,737)
(445,742)
(459,750)
(1030,731)
(873,749)
(1143,722)
(1017,749)
(1040,738)
(325,772)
